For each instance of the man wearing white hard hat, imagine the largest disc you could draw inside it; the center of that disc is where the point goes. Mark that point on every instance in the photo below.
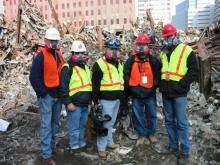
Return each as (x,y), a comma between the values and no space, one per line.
(75,93)
(44,78)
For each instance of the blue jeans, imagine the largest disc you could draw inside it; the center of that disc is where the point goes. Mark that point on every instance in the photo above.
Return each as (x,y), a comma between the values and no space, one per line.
(50,109)
(110,107)
(176,122)
(145,115)
(76,123)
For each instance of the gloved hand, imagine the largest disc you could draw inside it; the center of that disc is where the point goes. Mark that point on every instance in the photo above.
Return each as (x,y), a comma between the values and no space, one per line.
(63,113)
(97,105)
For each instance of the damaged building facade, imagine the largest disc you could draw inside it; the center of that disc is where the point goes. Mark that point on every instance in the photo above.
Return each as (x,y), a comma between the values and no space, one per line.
(109,14)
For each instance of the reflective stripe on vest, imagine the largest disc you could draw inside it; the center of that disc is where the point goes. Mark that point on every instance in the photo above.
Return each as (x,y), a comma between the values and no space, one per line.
(80,80)
(141,74)
(112,79)
(176,68)
(51,70)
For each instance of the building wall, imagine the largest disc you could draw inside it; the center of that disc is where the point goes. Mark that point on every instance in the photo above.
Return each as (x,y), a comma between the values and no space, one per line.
(111,14)
(2,7)
(11,9)
(160,9)
(180,13)
(200,13)
(217,10)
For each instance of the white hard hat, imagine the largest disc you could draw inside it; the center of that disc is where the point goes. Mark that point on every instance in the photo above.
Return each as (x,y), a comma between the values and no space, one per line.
(78,46)
(52,34)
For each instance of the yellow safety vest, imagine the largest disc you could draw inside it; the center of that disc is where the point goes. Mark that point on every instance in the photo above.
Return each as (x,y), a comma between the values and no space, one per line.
(80,80)
(176,68)
(112,79)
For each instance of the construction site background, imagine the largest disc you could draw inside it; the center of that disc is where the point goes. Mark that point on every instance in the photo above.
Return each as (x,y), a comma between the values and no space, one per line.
(18,43)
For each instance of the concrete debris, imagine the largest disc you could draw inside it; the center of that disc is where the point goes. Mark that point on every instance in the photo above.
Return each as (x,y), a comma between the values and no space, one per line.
(123,150)
(3,125)
(208,49)
(89,156)
(159,116)
(197,99)
(216,87)
(191,36)
(216,126)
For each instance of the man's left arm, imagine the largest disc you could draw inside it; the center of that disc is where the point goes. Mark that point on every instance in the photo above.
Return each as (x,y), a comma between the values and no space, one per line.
(156,66)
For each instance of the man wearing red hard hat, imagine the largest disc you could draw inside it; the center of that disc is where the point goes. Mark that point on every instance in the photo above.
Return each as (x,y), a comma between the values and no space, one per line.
(179,69)
(141,74)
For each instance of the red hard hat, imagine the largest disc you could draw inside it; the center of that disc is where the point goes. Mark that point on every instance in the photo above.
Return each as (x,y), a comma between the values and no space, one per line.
(169,30)
(142,39)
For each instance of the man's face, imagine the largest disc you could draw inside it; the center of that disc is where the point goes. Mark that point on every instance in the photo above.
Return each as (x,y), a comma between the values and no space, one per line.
(52,44)
(141,48)
(81,57)
(142,51)
(113,53)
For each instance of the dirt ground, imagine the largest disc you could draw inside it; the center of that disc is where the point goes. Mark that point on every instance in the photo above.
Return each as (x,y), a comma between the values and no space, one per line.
(20,145)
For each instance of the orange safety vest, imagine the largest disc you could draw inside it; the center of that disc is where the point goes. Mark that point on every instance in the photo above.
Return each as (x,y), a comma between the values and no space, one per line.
(51,69)
(141,74)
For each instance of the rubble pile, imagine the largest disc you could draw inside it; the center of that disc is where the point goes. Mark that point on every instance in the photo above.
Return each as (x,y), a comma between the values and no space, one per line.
(15,60)
(20,144)
(205,127)
(190,36)
(32,19)
(208,49)
(214,50)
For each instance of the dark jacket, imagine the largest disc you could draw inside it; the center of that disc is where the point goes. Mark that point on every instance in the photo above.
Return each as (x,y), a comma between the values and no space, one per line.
(79,98)
(138,91)
(177,89)
(37,78)
(97,75)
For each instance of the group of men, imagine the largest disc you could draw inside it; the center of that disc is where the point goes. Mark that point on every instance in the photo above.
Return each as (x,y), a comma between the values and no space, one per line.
(73,84)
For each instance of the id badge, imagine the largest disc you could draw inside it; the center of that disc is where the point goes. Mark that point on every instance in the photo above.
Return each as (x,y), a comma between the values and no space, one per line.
(144,79)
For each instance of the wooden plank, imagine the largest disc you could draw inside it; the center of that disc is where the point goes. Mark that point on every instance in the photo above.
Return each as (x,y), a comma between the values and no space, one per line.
(100,36)
(55,16)
(18,23)
(205,76)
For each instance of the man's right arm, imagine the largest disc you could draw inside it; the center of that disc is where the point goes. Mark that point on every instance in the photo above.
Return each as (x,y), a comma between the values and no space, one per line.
(127,70)
(64,85)
(96,82)
(36,76)
(127,74)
